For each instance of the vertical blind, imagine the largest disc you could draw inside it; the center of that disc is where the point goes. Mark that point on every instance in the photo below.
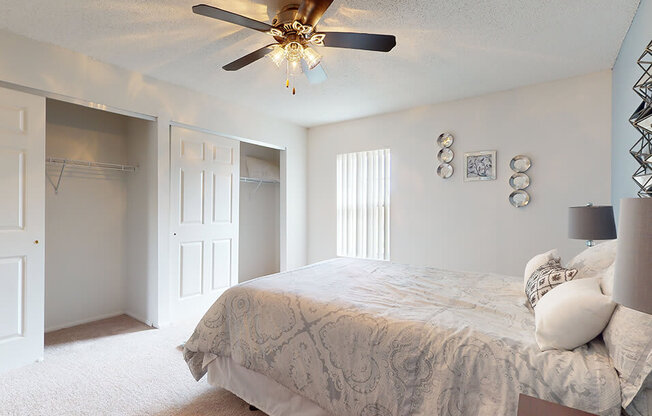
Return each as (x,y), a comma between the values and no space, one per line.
(363,204)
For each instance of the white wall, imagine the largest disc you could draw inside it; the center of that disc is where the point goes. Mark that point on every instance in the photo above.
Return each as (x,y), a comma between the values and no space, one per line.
(259,253)
(85,233)
(625,74)
(564,126)
(141,244)
(50,68)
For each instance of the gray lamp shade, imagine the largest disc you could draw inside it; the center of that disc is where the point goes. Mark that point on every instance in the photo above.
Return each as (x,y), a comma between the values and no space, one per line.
(591,223)
(633,271)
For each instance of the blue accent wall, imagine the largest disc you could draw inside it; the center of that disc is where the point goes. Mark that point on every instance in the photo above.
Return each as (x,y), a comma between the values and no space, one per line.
(625,73)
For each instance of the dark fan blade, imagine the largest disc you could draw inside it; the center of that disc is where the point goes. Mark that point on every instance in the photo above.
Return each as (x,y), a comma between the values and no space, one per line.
(311,11)
(366,41)
(248,59)
(317,75)
(215,13)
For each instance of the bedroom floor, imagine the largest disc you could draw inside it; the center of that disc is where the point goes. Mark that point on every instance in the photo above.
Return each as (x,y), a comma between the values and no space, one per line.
(117,366)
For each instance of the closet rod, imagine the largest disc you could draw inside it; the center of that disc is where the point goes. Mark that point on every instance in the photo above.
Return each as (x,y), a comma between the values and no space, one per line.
(256,180)
(90,164)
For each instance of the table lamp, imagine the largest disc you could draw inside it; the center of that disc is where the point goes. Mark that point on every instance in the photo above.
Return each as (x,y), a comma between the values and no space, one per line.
(633,270)
(591,222)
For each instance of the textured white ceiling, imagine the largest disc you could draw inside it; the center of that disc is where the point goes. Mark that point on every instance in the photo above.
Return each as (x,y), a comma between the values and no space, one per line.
(445,49)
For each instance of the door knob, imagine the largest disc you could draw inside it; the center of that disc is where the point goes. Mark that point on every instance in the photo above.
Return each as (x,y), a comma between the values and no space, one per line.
(35,241)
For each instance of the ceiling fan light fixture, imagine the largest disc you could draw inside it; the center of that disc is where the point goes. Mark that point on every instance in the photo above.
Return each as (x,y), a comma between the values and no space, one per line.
(294,51)
(317,39)
(294,68)
(311,57)
(294,32)
(276,32)
(301,29)
(277,55)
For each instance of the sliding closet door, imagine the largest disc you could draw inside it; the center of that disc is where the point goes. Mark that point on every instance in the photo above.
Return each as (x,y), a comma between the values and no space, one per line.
(204,189)
(22,227)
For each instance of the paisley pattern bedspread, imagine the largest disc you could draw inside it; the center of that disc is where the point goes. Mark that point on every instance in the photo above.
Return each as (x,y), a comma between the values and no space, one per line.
(370,338)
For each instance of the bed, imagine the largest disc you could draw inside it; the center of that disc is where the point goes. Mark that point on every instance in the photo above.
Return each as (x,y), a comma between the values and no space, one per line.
(370,338)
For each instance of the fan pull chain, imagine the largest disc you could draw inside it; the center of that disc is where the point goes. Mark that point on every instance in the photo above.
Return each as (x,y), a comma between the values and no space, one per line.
(287,74)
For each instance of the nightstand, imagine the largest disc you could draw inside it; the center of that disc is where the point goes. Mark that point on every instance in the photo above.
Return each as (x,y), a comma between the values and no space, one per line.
(531,406)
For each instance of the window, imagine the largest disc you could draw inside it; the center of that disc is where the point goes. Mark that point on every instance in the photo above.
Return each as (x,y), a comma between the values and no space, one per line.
(363,204)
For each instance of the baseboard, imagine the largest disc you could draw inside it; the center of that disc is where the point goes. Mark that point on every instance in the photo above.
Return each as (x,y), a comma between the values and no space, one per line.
(84,321)
(139,318)
(163,324)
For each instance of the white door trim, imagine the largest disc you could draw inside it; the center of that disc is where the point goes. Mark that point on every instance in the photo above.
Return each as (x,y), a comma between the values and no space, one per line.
(73,100)
(228,136)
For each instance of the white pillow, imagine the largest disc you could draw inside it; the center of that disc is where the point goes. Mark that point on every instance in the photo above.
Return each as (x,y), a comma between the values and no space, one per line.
(607,280)
(571,314)
(262,169)
(536,262)
(596,261)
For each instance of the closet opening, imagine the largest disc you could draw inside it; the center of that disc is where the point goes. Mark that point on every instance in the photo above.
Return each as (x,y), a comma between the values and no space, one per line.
(260,213)
(100,216)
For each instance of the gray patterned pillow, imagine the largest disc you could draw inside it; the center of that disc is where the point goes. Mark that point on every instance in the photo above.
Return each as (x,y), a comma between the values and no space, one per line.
(545,278)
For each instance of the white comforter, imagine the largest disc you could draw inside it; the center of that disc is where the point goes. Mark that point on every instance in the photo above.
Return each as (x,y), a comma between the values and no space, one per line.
(368,338)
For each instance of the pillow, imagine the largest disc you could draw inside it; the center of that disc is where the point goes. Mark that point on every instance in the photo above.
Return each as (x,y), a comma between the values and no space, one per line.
(571,315)
(262,169)
(595,262)
(545,278)
(538,261)
(628,338)
(607,280)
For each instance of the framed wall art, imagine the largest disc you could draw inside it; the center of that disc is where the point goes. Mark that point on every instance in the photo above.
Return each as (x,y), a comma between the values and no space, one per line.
(480,166)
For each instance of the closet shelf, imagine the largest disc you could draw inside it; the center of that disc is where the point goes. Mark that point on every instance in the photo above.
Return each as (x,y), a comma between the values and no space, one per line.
(86,164)
(257,180)
(90,164)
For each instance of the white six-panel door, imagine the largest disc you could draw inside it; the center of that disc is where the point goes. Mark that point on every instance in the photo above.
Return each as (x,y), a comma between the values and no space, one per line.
(22,227)
(204,189)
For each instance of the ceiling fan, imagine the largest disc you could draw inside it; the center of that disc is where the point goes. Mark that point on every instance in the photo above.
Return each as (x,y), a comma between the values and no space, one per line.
(295,33)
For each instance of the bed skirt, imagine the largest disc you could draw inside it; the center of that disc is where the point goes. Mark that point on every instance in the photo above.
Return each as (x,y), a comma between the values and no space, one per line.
(259,390)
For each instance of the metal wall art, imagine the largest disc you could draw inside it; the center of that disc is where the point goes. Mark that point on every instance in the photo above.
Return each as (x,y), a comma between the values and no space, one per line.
(480,166)
(445,155)
(642,121)
(519,181)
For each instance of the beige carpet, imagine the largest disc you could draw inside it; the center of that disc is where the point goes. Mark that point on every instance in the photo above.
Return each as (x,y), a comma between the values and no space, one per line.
(117,366)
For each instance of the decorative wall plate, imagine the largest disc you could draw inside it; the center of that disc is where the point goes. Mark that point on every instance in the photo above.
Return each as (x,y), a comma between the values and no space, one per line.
(519,198)
(519,181)
(445,170)
(445,155)
(520,163)
(445,140)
